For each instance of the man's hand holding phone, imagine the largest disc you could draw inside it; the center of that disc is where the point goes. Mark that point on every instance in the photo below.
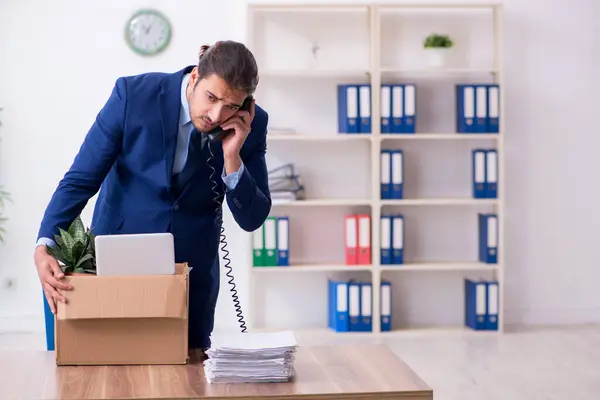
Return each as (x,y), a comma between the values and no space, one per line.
(232,143)
(50,274)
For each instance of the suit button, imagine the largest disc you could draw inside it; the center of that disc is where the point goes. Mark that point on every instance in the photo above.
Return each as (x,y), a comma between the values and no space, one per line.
(176,207)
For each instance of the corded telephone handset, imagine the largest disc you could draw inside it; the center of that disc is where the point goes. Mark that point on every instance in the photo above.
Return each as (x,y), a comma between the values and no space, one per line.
(218,133)
(215,135)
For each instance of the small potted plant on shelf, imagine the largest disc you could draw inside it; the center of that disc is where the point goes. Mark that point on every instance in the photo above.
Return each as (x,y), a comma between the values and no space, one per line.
(75,250)
(438,47)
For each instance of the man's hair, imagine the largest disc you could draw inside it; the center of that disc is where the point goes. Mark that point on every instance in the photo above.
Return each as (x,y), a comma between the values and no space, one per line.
(232,62)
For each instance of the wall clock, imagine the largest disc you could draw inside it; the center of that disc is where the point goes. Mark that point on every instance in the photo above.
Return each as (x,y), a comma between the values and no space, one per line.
(148,32)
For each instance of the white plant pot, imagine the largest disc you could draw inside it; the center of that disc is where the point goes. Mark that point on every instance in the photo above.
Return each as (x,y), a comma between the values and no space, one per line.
(437,57)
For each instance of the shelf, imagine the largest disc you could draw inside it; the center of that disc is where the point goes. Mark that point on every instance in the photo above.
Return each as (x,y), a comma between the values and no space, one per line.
(441,266)
(313,268)
(438,6)
(322,203)
(303,61)
(437,71)
(444,331)
(309,8)
(364,74)
(420,331)
(368,202)
(439,202)
(318,138)
(440,136)
(424,266)
(314,73)
(384,136)
(316,334)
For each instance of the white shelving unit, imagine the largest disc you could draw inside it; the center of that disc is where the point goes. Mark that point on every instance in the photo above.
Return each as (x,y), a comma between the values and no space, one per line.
(375,44)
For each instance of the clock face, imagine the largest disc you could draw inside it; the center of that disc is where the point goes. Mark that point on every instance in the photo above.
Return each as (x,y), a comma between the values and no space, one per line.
(148,32)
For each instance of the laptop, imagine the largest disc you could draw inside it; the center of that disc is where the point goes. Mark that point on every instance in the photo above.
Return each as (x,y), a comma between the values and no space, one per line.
(135,254)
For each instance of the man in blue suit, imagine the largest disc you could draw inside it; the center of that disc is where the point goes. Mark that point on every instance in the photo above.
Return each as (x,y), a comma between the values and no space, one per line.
(148,154)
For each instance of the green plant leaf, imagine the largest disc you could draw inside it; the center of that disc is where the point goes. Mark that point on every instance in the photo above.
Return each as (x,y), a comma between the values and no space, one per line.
(77,230)
(59,241)
(77,251)
(89,270)
(65,236)
(75,248)
(436,40)
(83,259)
(68,242)
(92,241)
(57,254)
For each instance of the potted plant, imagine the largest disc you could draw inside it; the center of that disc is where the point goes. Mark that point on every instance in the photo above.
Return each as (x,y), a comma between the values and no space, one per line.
(437,47)
(4,196)
(75,249)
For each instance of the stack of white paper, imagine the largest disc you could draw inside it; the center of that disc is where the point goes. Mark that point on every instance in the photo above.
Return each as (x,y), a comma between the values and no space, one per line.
(251,357)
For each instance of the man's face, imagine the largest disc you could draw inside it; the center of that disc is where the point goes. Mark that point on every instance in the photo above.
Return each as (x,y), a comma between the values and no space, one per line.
(211,101)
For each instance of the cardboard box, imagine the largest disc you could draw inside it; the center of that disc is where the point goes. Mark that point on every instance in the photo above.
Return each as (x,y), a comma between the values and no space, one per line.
(112,320)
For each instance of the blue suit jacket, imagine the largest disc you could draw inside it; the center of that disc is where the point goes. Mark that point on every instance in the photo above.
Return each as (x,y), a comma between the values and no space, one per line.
(128,155)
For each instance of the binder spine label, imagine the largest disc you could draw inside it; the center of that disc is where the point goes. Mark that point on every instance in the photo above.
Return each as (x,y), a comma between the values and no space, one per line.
(386,108)
(386,174)
(364,108)
(410,98)
(398,240)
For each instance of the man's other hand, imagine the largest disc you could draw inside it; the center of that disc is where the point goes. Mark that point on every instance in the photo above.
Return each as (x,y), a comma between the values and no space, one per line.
(50,274)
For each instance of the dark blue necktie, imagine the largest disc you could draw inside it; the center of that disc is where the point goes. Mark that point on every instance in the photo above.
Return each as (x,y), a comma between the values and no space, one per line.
(194,157)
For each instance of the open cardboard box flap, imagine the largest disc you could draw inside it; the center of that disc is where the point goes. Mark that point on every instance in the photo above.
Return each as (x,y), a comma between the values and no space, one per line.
(145,296)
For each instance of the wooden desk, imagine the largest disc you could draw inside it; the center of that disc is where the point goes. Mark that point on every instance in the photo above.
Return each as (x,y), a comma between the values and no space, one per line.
(325,372)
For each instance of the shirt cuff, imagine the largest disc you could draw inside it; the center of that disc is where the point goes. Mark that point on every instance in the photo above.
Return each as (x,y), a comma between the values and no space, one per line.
(45,241)
(232,179)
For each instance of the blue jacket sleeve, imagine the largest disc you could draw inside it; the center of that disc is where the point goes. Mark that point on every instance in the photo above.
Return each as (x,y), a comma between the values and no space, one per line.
(250,200)
(92,163)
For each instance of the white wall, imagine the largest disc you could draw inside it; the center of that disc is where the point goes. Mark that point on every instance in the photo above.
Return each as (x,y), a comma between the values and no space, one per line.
(59,63)
(54,79)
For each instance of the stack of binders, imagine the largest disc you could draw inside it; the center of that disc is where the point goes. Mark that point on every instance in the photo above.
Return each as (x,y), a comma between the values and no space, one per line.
(285,185)
(481,296)
(481,304)
(354,108)
(357,231)
(398,108)
(350,306)
(478,108)
(392,174)
(485,173)
(271,243)
(392,239)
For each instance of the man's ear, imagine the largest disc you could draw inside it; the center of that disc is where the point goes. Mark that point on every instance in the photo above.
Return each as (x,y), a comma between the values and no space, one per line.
(194,77)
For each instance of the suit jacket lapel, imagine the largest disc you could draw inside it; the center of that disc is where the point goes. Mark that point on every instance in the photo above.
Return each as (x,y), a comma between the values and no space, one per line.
(170,102)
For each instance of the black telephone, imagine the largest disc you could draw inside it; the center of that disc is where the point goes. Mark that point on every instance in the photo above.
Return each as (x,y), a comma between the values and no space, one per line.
(214,136)
(218,133)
